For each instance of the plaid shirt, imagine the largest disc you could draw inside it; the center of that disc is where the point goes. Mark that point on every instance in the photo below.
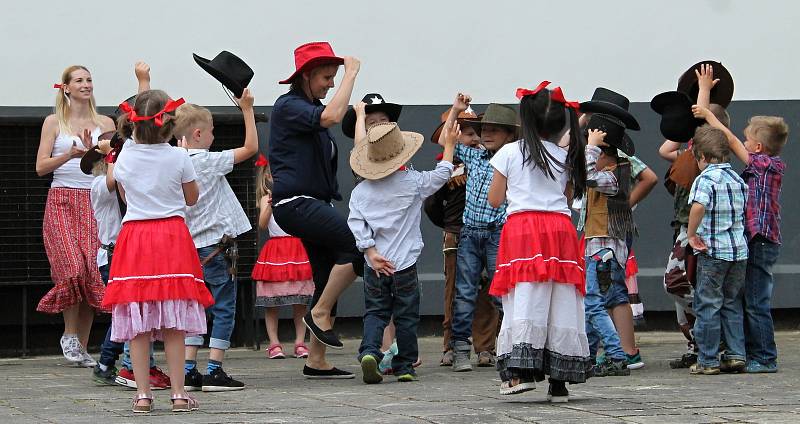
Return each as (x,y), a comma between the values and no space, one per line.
(477,211)
(604,182)
(723,194)
(764,176)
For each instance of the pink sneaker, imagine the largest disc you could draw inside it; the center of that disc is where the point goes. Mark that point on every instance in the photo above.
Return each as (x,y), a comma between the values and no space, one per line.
(275,352)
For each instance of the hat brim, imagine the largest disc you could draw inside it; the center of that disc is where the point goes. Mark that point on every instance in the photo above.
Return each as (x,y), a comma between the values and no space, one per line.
(611,109)
(392,110)
(89,158)
(229,83)
(317,61)
(475,123)
(370,170)
(626,145)
(721,93)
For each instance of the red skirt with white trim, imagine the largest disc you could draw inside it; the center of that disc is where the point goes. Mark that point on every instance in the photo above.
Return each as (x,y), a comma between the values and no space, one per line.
(282,259)
(155,260)
(631,265)
(537,247)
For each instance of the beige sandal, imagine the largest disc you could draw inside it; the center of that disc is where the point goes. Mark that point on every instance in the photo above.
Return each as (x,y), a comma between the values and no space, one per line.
(142,409)
(190,405)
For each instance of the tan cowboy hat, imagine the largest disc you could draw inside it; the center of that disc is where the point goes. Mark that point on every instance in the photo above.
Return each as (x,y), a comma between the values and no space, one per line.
(385,150)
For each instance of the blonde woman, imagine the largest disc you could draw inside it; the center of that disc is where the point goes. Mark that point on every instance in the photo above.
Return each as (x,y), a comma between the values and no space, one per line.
(69,229)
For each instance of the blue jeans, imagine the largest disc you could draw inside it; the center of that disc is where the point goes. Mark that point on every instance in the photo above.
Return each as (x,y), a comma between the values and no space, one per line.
(759,333)
(599,325)
(393,297)
(477,249)
(718,306)
(223,290)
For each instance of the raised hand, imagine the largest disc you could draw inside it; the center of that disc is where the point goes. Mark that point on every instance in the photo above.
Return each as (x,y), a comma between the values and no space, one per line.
(75,151)
(461,103)
(700,112)
(361,109)
(142,71)
(247,99)
(705,77)
(596,138)
(86,138)
(351,65)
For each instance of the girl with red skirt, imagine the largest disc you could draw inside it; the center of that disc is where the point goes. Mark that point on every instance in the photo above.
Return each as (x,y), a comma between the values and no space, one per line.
(156,288)
(540,275)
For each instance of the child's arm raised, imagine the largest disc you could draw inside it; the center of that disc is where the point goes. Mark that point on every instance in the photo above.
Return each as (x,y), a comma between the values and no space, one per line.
(603,181)
(264,210)
(361,126)
(705,82)
(460,104)
(142,71)
(735,144)
(250,147)
(669,150)
(429,182)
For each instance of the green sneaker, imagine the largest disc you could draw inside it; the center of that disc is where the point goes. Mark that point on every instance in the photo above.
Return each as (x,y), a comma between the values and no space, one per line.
(611,368)
(635,361)
(107,377)
(369,368)
(405,378)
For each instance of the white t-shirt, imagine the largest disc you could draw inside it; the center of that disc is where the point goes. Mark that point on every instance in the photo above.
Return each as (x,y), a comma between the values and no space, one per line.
(274,229)
(106,213)
(151,176)
(530,188)
(69,174)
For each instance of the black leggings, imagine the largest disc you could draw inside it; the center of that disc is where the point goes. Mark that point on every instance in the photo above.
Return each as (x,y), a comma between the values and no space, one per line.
(325,236)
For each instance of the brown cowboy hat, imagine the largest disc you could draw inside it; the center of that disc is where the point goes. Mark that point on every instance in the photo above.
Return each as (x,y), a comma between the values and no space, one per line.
(721,94)
(385,150)
(311,55)
(467,117)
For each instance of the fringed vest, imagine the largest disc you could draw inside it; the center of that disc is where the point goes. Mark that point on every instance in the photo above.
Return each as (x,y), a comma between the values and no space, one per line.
(611,216)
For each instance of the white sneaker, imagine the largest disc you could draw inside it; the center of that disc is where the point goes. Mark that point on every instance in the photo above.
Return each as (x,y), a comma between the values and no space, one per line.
(87,361)
(71,348)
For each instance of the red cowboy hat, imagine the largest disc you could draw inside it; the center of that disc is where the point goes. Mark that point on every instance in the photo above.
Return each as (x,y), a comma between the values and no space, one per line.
(310,55)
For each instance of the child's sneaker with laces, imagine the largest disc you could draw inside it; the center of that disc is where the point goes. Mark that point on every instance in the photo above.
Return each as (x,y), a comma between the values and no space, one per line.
(370,370)
(158,380)
(193,381)
(698,369)
(71,348)
(635,361)
(219,381)
(107,377)
(612,367)
(86,360)
(125,378)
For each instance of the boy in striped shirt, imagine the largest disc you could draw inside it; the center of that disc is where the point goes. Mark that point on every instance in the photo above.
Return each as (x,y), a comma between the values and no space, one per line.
(716,231)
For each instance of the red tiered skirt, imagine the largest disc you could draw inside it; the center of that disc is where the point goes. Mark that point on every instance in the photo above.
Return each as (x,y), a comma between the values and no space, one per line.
(538,247)
(282,259)
(155,260)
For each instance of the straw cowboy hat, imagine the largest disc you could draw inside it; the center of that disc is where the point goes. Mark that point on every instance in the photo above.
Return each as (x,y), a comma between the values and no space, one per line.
(385,150)
(721,93)
(611,103)
(375,103)
(310,55)
(615,132)
(467,117)
(228,69)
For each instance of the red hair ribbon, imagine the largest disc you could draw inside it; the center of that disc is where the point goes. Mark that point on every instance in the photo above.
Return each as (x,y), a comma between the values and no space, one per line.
(111,157)
(57,86)
(262,160)
(522,92)
(558,96)
(169,107)
(440,156)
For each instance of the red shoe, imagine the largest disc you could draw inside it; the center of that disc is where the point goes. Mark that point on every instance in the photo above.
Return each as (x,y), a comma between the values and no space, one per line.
(125,378)
(158,380)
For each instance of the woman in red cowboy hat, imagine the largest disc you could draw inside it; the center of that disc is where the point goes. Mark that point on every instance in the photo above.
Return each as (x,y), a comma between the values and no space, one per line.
(69,229)
(303,156)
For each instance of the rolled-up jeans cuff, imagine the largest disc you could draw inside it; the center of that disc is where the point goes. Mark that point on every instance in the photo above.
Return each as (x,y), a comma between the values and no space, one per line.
(219,344)
(193,341)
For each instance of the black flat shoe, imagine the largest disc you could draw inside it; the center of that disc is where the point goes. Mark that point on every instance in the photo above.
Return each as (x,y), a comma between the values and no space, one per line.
(331,374)
(327,337)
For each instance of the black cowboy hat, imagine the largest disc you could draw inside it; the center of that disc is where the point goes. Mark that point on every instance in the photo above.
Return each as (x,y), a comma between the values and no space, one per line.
(611,103)
(615,132)
(94,154)
(677,121)
(131,101)
(375,103)
(721,93)
(228,69)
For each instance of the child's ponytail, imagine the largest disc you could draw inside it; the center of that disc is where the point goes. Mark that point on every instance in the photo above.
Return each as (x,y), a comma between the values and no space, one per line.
(576,156)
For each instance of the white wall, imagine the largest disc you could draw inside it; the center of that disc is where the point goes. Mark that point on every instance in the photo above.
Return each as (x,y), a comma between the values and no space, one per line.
(413,51)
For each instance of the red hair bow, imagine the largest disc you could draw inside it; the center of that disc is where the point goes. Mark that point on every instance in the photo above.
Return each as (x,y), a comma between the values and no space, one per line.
(558,96)
(262,160)
(169,107)
(522,92)
(57,86)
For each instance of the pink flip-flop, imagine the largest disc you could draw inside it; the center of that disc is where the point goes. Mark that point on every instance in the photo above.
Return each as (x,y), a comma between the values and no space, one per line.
(275,352)
(300,351)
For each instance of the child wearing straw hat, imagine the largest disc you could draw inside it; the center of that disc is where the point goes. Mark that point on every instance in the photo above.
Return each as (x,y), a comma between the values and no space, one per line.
(385,212)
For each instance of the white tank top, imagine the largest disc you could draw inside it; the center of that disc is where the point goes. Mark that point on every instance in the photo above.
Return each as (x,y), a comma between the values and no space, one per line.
(69,174)
(274,229)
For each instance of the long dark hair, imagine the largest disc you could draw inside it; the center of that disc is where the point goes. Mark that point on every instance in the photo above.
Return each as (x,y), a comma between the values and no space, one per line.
(543,119)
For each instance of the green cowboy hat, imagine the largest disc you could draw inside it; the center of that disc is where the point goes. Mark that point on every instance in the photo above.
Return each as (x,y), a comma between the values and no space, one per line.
(497,114)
